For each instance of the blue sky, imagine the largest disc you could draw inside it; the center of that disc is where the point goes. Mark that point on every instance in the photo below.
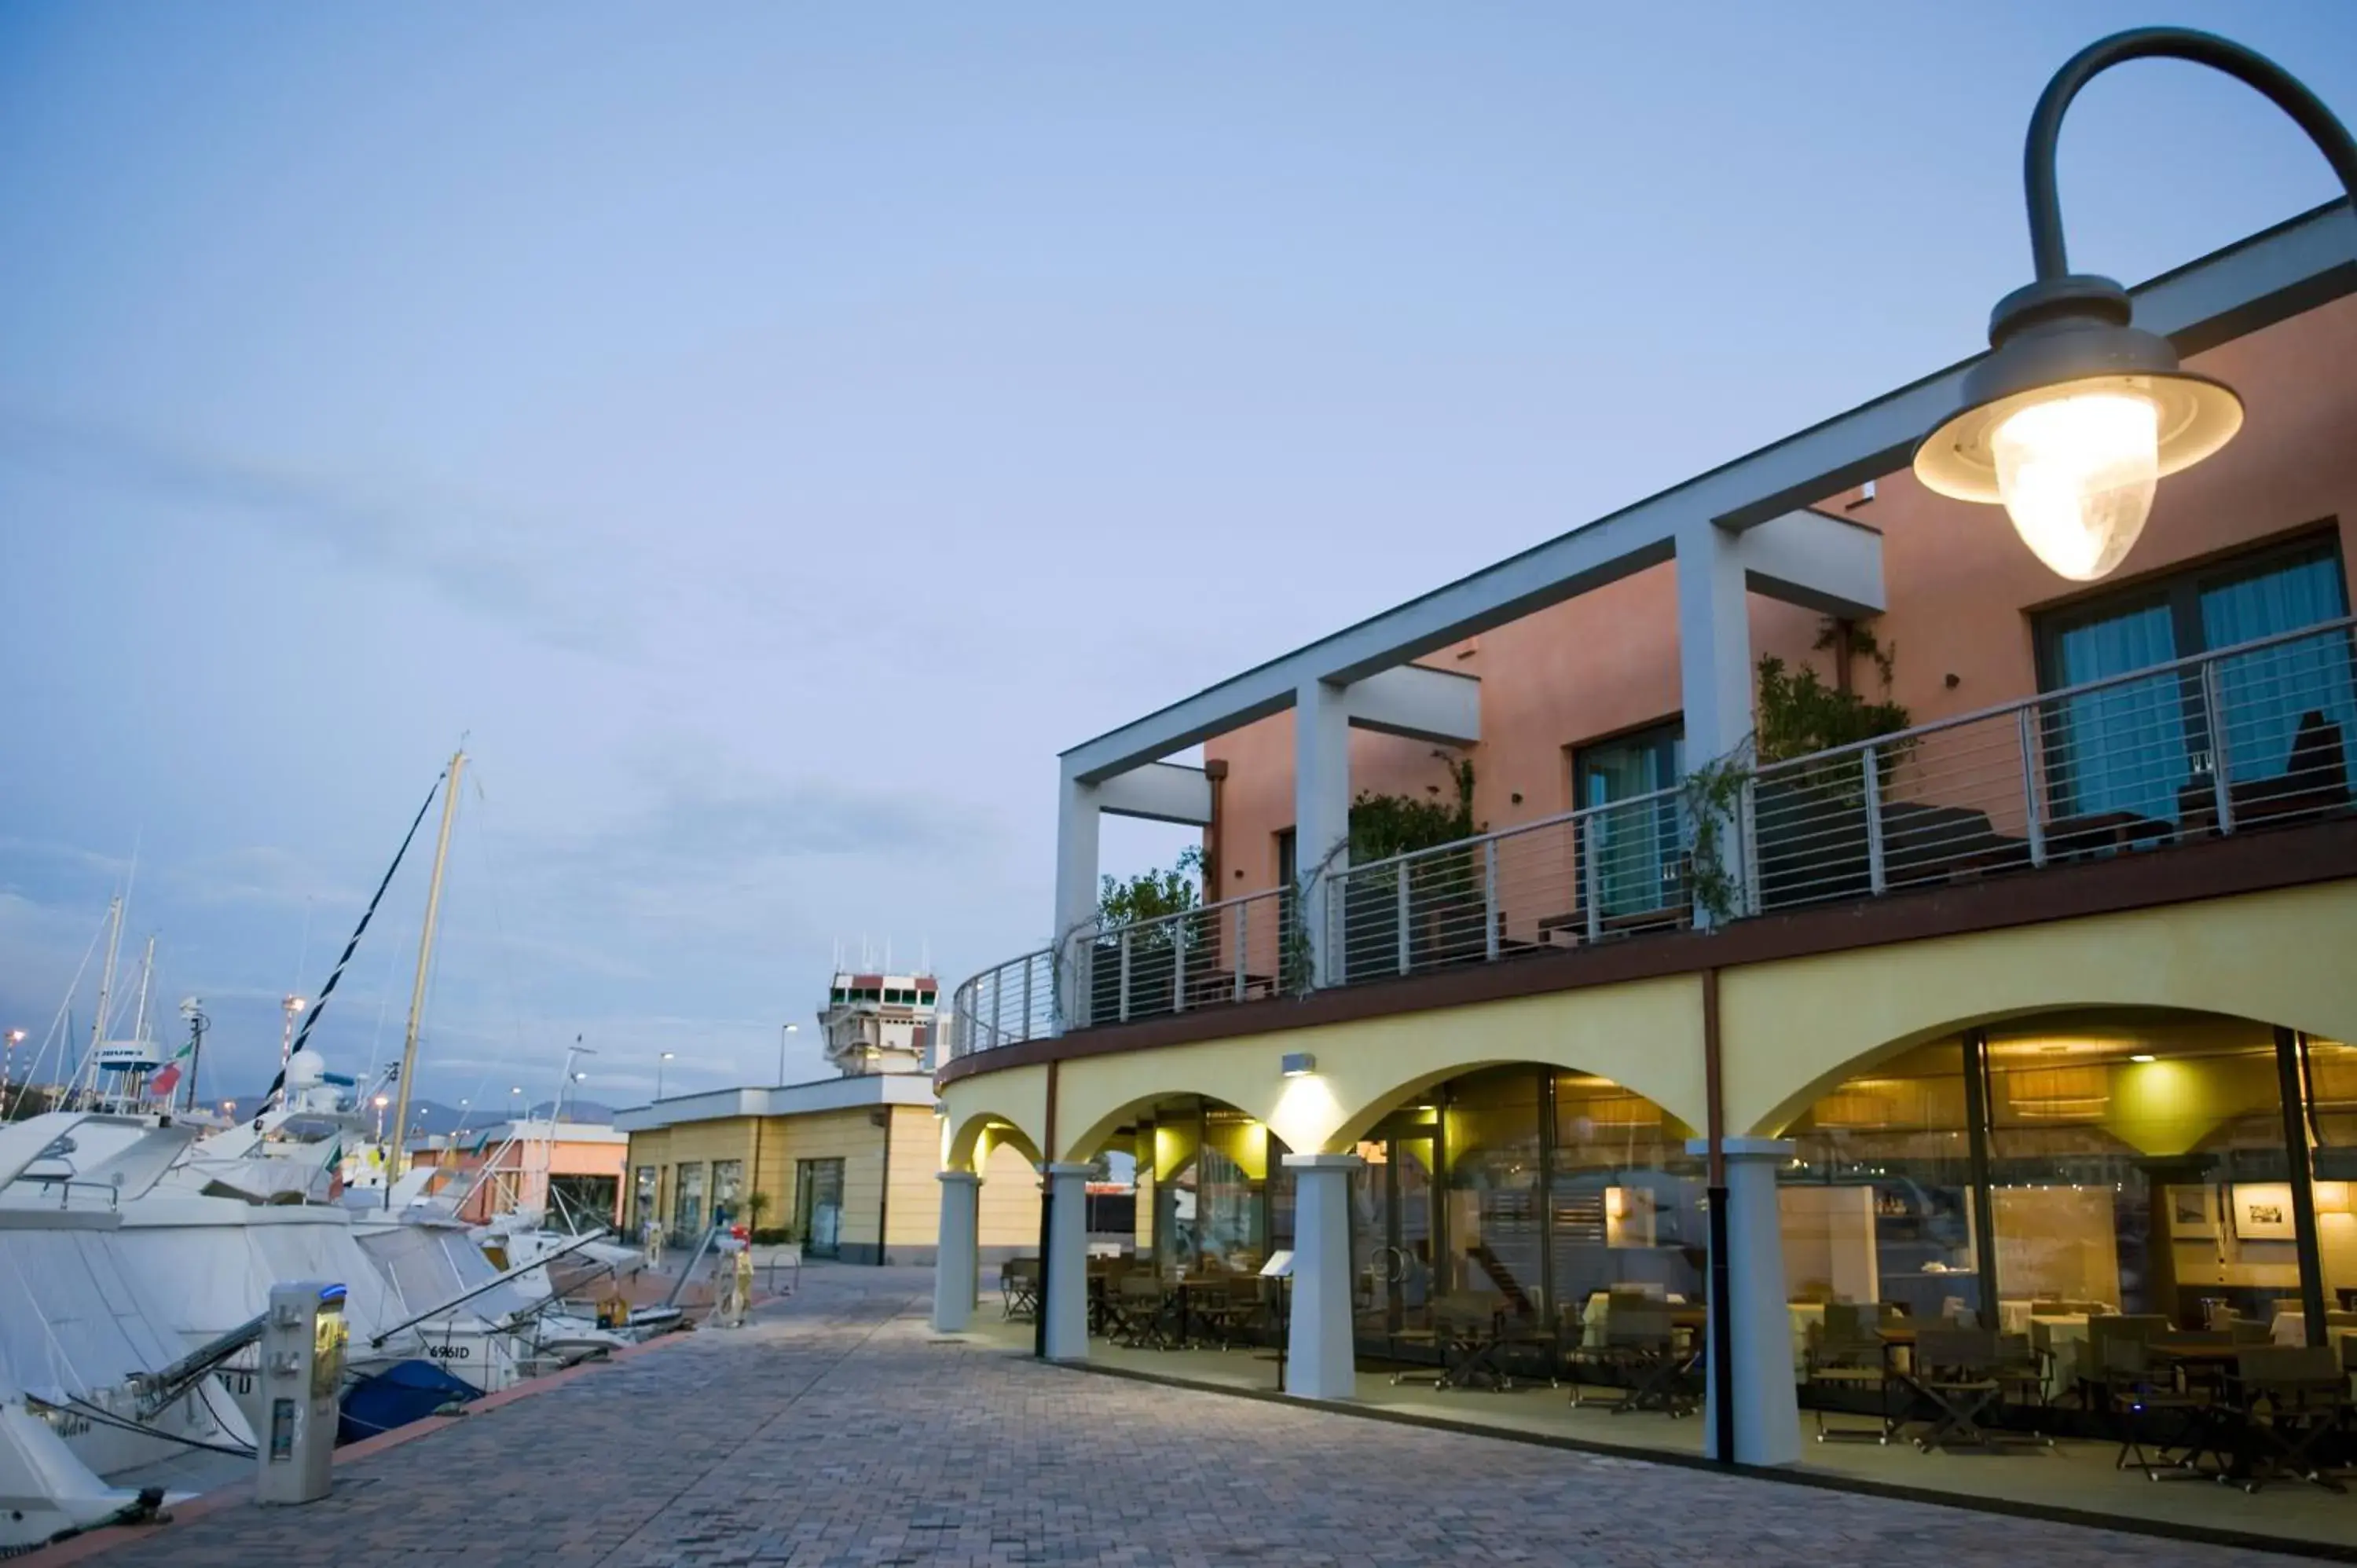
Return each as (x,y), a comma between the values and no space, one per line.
(770,433)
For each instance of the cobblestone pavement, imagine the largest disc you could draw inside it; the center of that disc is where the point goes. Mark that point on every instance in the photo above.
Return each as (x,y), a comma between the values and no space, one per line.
(836,1430)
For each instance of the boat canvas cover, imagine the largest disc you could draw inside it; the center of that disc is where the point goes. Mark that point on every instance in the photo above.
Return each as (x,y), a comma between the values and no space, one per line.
(433,1264)
(72,1320)
(214,1277)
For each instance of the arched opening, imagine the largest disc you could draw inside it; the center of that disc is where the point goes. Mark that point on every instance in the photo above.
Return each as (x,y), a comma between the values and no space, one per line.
(1186,1187)
(1526,1196)
(2049,1170)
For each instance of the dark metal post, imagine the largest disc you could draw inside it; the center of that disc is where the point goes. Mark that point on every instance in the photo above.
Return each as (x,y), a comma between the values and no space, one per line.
(2253,69)
(1046,1229)
(1977,1138)
(1719,1366)
(2293,1090)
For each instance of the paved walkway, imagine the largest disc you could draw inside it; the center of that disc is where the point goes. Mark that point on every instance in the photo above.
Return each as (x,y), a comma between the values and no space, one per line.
(838,1431)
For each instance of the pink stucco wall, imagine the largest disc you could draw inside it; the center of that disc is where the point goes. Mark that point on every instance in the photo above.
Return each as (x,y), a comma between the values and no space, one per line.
(1962,593)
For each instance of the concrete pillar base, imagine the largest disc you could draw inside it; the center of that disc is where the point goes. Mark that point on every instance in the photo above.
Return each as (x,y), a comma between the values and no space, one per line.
(1766,1406)
(1065,1300)
(1321,1361)
(957,1260)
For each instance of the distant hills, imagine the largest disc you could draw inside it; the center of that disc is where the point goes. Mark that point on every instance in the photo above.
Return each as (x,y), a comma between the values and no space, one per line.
(440,1116)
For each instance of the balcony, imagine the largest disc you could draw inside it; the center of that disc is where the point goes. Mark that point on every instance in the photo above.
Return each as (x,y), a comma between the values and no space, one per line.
(2253,737)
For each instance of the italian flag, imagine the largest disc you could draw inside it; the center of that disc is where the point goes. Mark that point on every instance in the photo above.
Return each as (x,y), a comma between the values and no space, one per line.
(169,1077)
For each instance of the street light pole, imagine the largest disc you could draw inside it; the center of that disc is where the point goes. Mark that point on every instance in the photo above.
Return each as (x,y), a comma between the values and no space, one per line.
(658,1066)
(785,1033)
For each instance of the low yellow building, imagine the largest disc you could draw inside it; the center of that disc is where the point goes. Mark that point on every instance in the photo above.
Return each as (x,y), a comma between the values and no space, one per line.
(845,1164)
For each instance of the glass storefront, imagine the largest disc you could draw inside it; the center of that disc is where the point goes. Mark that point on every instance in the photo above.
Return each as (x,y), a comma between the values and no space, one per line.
(1538,1191)
(2128,1162)
(728,1186)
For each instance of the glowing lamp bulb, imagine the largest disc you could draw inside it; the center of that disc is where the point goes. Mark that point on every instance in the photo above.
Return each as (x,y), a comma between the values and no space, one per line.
(2076,474)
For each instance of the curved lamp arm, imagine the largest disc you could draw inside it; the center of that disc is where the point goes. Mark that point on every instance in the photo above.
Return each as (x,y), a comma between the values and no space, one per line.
(2284,90)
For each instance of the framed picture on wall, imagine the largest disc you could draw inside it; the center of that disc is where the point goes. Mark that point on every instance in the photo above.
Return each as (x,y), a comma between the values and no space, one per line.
(2263,1211)
(2191,1216)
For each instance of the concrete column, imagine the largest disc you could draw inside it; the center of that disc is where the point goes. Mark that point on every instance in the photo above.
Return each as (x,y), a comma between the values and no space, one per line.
(1715,675)
(1067,1304)
(1320,1362)
(1321,807)
(1076,894)
(957,1262)
(1767,1409)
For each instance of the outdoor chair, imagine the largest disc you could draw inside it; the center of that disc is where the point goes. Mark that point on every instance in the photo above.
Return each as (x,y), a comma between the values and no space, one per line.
(1136,1311)
(1957,1370)
(1848,1354)
(2090,1372)
(2138,1390)
(1225,1310)
(1018,1288)
(1466,1337)
(2293,1395)
(1641,1348)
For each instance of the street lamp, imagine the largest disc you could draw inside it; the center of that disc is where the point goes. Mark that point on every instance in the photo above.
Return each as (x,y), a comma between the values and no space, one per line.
(9,1067)
(784,1034)
(658,1061)
(2075,415)
(381,1103)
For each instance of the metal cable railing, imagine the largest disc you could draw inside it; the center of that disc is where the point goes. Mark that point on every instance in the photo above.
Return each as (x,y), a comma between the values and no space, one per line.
(2260,734)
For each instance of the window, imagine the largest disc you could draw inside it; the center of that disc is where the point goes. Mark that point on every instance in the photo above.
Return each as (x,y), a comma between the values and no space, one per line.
(818,1206)
(687,1212)
(1637,850)
(2137,746)
(643,1203)
(728,1186)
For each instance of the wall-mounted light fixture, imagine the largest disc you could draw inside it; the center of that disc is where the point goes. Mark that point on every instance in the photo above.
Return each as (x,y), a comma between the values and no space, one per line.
(1297,1064)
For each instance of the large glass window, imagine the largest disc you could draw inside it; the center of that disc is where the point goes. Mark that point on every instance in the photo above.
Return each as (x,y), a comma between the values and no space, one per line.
(1491,1133)
(2128,1161)
(1878,1205)
(1638,848)
(2331,1077)
(818,1206)
(2140,1166)
(728,1186)
(2139,746)
(642,1200)
(687,1213)
(1625,1200)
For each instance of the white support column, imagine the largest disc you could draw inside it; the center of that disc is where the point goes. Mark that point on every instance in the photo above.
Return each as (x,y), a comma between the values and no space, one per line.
(1321,803)
(957,1263)
(1066,1305)
(1767,1407)
(1714,655)
(1076,894)
(1320,1360)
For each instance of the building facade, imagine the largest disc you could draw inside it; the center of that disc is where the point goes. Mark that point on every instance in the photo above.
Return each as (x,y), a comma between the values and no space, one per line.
(1835,891)
(846,1166)
(567,1171)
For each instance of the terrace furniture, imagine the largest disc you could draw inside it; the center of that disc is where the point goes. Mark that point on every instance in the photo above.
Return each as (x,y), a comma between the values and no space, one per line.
(1964,1372)
(1846,1353)
(2293,1395)
(1641,1346)
(1138,1310)
(1224,1310)
(2099,833)
(2093,1360)
(2314,782)
(2136,1390)
(1467,1334)
(1018,1288)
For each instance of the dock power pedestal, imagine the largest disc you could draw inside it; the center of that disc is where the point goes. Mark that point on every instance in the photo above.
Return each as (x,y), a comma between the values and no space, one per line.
(302,1337)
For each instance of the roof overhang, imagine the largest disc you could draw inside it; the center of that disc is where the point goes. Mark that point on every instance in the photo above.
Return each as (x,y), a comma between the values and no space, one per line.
(2269,277)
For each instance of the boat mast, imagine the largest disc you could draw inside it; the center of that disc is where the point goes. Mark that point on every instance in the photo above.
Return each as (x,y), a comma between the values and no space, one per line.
(425,960)
(105,985)
(126,1099)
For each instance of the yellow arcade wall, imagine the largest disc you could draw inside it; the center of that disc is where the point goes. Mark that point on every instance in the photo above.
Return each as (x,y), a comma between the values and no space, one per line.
(1790,1030)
